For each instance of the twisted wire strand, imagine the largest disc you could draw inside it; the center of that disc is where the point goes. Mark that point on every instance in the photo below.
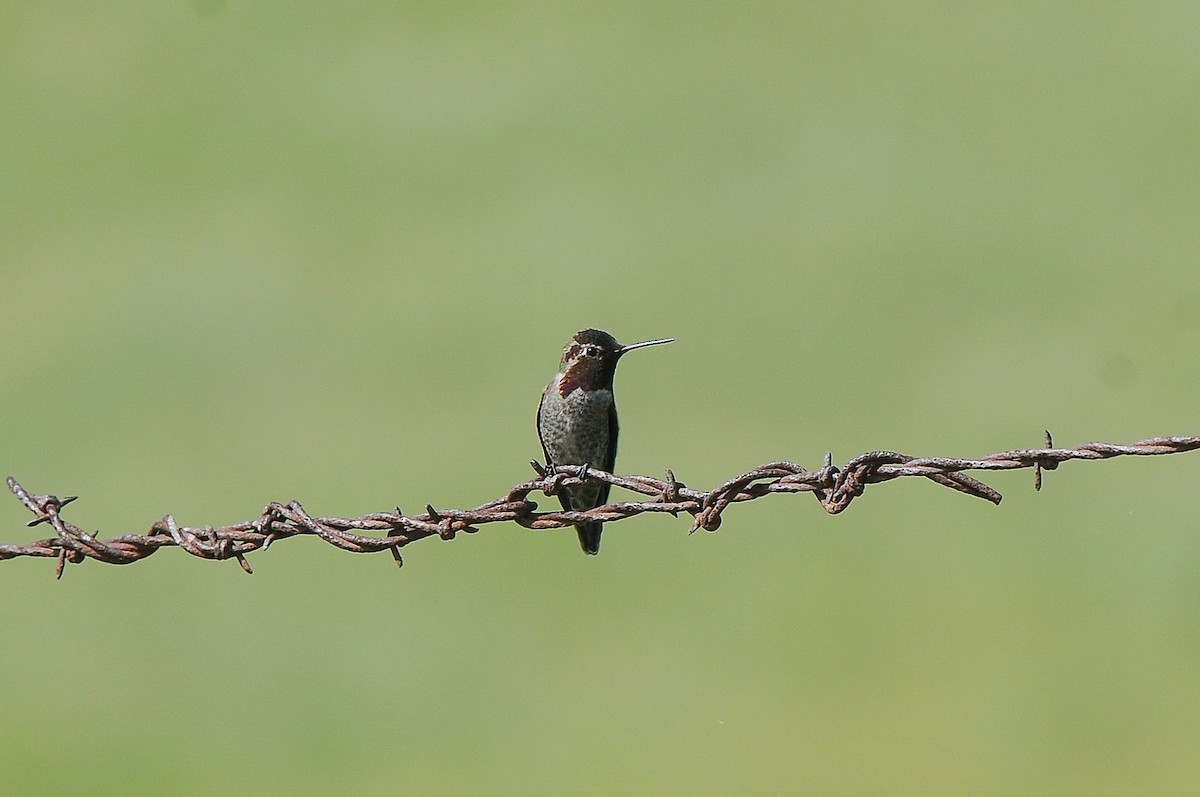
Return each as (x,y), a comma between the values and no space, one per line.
(835,488)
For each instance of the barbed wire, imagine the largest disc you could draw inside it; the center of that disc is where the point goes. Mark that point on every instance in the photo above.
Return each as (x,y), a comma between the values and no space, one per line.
(835,488)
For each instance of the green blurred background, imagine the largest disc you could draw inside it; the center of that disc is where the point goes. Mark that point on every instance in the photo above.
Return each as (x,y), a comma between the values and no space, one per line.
(262,251)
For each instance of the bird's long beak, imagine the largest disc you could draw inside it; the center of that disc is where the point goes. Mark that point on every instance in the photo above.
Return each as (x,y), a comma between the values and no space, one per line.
(643,344)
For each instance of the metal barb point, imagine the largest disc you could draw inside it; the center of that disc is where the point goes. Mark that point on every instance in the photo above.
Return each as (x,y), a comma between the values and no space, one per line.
(1043,464)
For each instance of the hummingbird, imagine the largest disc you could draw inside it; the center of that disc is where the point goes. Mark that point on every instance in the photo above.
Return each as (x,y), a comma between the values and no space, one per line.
(577,419)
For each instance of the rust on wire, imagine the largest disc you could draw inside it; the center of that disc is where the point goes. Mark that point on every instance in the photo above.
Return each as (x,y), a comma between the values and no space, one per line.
(834,488)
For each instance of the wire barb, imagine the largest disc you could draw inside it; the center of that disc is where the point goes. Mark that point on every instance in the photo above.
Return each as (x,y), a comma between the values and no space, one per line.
(834,488)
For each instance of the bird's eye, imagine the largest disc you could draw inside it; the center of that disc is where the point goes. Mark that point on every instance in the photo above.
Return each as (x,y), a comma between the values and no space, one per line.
(592,351)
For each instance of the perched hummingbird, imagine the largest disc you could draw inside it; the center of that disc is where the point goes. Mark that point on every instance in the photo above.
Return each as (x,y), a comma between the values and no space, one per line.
(577,419)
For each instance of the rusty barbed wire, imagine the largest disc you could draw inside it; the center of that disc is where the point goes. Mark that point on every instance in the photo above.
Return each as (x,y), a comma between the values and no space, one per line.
(835,488)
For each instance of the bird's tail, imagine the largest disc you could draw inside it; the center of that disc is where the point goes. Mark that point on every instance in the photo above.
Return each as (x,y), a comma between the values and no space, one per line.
(589,537)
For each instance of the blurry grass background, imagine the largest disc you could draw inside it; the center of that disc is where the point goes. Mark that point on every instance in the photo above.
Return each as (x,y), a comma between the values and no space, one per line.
(257,251)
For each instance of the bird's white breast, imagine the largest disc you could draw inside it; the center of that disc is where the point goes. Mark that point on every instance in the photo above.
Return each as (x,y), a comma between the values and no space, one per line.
(575,426)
